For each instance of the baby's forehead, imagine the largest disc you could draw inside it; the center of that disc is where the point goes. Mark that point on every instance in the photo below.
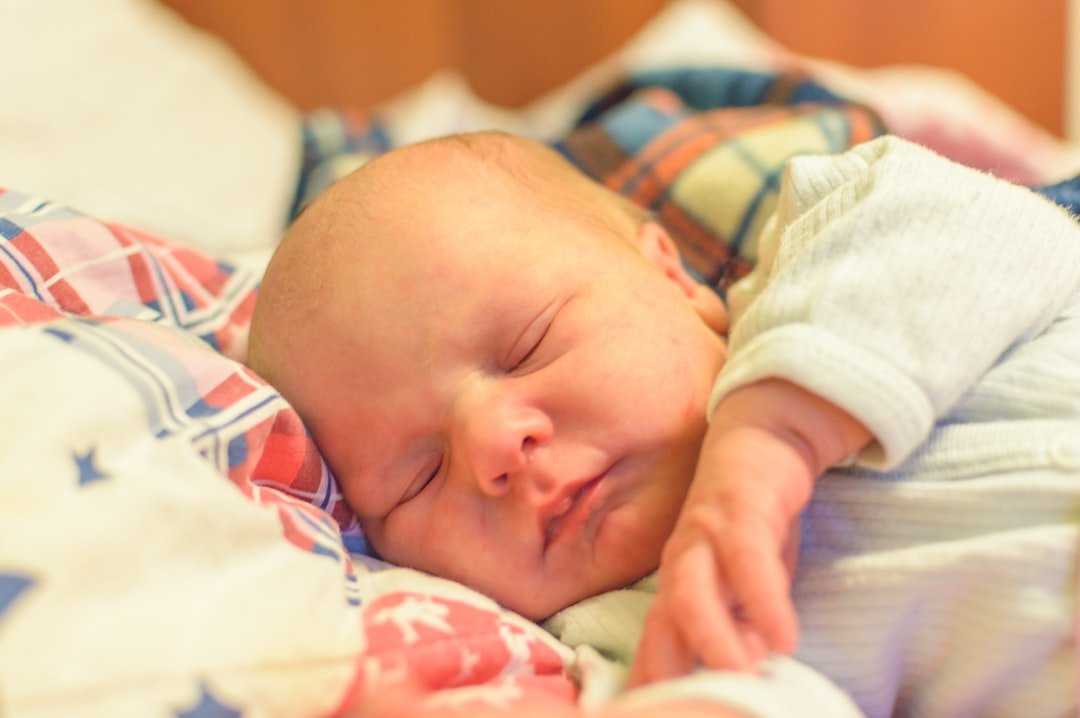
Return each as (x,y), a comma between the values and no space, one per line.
(443,214)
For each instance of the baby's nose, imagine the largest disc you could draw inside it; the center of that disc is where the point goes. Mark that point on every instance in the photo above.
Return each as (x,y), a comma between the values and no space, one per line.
(496,433)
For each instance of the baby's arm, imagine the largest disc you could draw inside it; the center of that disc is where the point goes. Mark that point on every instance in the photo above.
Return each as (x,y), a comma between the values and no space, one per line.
(724,587)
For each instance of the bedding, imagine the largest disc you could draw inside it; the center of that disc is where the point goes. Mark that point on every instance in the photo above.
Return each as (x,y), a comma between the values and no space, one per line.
(171,541)
(121,109)
(170,538)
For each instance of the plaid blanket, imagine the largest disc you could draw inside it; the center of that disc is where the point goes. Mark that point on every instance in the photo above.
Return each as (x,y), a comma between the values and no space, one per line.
(702,148)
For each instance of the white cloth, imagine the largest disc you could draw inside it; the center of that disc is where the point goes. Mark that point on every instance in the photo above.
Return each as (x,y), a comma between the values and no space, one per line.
(938,572)
(604,631)
(122,110)
(940,307)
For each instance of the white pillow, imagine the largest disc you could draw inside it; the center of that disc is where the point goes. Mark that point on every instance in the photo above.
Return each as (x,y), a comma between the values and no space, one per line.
(120,108)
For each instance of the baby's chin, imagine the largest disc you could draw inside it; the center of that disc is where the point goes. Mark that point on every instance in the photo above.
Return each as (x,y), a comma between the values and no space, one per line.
(543,608)
(625,550)
(553,596)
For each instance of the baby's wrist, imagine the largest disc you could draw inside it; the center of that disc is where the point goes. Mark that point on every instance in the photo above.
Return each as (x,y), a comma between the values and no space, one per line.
(813,426)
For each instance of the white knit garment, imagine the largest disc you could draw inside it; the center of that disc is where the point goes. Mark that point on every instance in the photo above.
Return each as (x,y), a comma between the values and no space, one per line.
(938,572)
(940,307)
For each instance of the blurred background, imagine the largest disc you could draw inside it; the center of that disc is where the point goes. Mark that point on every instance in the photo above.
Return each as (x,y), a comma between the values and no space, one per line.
(191,117)
(358,53)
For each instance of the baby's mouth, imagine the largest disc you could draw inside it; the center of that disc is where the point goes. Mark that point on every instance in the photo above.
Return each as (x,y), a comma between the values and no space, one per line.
(572,508)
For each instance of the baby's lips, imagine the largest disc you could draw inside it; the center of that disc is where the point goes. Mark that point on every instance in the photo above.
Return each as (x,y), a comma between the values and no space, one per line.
(556,513)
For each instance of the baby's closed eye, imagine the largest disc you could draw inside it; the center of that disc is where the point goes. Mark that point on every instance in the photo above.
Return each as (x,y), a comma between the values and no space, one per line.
(531,339)
(424,478)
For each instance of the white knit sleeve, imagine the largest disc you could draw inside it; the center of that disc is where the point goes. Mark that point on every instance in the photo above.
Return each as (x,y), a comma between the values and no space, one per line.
(782,688)
(898,278)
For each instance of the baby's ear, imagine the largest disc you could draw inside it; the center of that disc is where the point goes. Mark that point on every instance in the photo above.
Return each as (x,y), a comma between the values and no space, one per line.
(660,249)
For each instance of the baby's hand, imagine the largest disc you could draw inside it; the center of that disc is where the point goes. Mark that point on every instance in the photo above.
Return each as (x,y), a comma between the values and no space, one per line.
(726,570)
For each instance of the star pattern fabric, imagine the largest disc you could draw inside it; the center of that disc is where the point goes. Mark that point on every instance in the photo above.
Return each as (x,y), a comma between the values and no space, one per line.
(209,706)
(86,465)
(12,587)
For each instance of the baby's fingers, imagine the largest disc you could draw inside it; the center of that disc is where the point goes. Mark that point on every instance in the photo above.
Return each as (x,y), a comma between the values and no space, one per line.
(753,565)
(699,603)
(661,653)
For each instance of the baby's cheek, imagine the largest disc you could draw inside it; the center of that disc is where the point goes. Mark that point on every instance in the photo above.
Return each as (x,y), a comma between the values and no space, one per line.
(399,538)
(631,539)
(378,542)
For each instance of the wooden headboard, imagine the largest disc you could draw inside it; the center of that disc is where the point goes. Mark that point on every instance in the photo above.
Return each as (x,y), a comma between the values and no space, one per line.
(359,52)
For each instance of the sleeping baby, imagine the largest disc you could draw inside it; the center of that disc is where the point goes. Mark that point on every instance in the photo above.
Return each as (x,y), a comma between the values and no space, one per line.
(520,388)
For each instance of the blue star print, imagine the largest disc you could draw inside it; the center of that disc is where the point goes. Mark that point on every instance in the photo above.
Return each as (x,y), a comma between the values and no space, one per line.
(209,707)
(11,587)
(88,470)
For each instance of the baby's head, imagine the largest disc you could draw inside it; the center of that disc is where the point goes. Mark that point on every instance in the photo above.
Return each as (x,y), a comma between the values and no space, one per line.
(504,364)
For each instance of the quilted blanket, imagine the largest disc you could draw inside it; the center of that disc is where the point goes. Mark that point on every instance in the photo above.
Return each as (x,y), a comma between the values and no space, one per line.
(171,541)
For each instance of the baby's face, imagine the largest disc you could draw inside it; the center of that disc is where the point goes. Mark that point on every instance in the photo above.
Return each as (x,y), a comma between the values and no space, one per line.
(508,397)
